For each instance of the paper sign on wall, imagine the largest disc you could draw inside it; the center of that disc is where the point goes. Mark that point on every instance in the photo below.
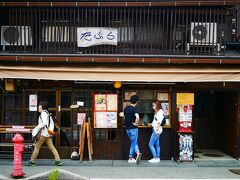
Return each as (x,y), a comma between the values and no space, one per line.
(32,102)
(185,98)
(80,118)
(92,36)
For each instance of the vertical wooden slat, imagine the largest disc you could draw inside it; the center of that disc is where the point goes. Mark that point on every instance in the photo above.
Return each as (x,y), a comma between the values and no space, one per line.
(158,29)
(15,45)
(49,29)
(117,25)
(174,37)
(223,29)
(199,42)
(214,46)
(95,24)
(55,24)
(195,23)
(11,19)
(78,25)
(139,26)
(74,32)
(187,38)
(171,31)
(209,29)
(167,31)
(181,49)
(163,30)
(218,26)
(52,25)
(202,22)
(109,17)
(155,39)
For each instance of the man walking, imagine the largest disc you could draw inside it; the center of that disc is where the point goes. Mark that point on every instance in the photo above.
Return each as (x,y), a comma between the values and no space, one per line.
(131,118)
(45,137)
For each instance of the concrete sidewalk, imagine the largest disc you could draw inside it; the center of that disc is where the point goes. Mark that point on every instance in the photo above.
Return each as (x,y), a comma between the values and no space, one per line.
(121,169)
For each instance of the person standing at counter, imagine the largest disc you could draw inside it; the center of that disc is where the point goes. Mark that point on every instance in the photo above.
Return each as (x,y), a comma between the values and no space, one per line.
(131,118)
(154,143)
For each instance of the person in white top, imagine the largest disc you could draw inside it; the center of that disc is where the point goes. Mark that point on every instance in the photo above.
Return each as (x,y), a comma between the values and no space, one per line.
(45,137)
(154,142)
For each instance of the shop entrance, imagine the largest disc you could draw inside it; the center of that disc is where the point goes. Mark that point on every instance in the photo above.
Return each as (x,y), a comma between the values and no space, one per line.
(59,105)
(215,125)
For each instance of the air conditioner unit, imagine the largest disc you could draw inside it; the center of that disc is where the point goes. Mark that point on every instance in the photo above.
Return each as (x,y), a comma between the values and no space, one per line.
(16,35)
(203,33)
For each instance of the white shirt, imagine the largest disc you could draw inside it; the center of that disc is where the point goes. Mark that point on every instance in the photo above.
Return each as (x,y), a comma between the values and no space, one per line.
(157,120)
(42,122)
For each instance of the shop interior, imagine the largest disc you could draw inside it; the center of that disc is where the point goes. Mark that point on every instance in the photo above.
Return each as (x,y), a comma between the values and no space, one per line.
(215,122)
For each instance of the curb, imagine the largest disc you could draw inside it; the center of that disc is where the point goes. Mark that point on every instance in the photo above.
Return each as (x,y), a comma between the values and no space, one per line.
(63,174)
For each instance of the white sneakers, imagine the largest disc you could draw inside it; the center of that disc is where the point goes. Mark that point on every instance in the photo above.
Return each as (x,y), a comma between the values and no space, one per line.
(132,160)
(154,160)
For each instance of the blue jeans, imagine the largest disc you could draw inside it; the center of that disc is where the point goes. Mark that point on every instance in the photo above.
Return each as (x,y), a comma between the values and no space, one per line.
(133,136)
(155,141)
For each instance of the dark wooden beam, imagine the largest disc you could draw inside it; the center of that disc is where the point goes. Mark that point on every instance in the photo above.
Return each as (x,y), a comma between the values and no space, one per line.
(121,4)
(116,60)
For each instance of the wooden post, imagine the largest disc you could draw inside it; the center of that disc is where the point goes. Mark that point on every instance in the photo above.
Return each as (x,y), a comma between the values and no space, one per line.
(89,142)
(90,133)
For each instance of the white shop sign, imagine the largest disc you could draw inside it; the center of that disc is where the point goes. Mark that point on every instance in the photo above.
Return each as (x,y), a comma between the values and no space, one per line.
(92,36)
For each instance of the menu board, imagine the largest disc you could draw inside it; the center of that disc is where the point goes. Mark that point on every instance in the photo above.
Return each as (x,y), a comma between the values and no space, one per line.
(112,102)
(105,110)
(185,112)
(185,147)
(100,102)
(162,96)
(106,119)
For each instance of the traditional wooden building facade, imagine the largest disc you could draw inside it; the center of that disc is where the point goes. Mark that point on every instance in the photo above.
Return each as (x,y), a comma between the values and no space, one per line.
(159,47)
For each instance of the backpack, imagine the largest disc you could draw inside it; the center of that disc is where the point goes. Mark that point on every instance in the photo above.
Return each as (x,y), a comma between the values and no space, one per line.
(163,121)
(51,127)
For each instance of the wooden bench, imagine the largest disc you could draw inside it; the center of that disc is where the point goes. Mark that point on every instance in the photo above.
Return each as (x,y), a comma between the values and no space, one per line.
(7,148)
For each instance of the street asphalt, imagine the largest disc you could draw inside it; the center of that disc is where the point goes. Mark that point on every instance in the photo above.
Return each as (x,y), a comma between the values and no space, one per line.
(121,169)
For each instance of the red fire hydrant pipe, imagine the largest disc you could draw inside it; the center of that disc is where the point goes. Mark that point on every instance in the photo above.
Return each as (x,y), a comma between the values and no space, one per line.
(18,150)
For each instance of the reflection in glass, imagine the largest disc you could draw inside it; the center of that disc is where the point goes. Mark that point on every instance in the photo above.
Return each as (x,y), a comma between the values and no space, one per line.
(65,136)
(65,99)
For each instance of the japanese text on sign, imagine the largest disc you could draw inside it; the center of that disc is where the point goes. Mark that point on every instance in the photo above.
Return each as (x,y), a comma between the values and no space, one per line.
(96,36)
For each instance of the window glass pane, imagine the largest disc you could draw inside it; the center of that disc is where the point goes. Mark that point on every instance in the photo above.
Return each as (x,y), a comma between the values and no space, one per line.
(12,118)
(12,109)
(66,119)
(65,99)
(145,94)
(49,96)
(31,118)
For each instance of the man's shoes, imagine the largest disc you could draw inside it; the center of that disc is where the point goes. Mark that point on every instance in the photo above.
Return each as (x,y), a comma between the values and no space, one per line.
(154,160)
(30,163)
(131,160)
(58,163)
(138,159)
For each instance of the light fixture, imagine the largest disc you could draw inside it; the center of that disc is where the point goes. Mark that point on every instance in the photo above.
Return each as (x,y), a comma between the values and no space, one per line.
(74,106)
(117,84)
